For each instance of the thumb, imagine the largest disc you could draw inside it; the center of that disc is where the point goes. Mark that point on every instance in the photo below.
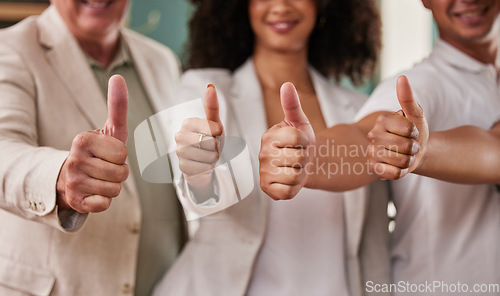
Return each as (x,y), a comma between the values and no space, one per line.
(410,107)
(211,104)
(116,125)
(294,116)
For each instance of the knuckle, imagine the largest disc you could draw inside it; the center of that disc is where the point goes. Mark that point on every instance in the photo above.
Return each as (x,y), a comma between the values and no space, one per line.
(120,173)
(81,140)
(394,174)
(178,137)
(266,138)
(382,118)
(73,163)
(73,202)
(407,146)
(124,172)
(101,206)
(105,205)
(115,190)
(263,185)
(409,129)
(288,192)
(186,123)
(122,153)
(216,129)
(371,135)
(181,152)
(296,137)
(263,155)
(182,165)
(405,161)
(213,158)
(72,183)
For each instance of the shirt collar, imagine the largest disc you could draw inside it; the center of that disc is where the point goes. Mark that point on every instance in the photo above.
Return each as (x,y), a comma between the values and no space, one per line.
(122,58)
(458,59)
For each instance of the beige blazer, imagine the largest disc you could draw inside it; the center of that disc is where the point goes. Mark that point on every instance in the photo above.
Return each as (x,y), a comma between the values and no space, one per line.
(220,258)
(48,94)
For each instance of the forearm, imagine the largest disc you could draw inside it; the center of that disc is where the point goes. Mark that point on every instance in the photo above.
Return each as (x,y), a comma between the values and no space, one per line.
(340,160)
(467,155)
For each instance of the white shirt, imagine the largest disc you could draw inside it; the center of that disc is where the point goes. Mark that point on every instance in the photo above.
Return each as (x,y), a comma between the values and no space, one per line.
(304,249)
(446,232)
(304,242)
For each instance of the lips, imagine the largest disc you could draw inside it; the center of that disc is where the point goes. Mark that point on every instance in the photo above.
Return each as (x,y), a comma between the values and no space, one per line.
(96,4)
(282,26)
(471,16)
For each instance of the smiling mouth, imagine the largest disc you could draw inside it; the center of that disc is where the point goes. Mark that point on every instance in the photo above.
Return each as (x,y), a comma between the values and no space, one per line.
(283,26)
(96,4)
(472,14)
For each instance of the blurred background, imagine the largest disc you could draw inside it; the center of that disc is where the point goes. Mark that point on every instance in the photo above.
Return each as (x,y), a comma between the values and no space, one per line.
(408,30)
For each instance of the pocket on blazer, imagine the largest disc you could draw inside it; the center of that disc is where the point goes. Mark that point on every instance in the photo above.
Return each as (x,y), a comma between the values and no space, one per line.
(25,278)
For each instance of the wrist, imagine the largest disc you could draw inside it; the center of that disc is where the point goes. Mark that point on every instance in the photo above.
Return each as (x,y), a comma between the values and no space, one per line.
(310,171)
(61,190)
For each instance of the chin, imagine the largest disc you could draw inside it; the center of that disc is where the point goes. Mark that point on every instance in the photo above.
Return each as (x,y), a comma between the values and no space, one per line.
(99,27)
(286,47)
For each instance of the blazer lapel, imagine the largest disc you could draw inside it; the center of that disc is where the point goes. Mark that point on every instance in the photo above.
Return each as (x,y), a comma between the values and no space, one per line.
(71,67)
(247,104)
(333,106)
(248,107)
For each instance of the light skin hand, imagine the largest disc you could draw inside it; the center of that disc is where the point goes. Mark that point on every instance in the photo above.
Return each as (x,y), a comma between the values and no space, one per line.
(398,141)
(92,174)
(198,162)
(285,147)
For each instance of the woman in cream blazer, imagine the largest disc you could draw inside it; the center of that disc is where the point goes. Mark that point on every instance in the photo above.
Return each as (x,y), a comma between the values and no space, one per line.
(323,243)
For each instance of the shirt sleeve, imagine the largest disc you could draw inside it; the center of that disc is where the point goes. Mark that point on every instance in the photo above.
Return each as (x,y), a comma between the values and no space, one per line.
(425,89)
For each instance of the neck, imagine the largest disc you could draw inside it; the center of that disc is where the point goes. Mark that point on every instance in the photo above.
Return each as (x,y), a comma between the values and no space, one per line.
(275,68)
(102,50)
(485,52)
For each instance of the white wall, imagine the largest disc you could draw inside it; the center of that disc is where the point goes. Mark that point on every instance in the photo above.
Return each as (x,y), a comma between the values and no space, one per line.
(406,37)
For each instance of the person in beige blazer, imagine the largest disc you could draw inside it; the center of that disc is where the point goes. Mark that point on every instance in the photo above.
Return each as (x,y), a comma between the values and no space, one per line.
(53,75)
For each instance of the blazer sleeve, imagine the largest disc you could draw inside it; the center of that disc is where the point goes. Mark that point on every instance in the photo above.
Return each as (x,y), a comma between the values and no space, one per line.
(28,172)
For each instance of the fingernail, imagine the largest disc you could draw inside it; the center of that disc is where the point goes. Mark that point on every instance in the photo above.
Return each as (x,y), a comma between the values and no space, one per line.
(403,172)
(414,133)
(210,85)
(415,148)
(412,160)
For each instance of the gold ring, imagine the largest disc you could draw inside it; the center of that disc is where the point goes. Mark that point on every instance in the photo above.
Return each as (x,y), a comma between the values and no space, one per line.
(200,138)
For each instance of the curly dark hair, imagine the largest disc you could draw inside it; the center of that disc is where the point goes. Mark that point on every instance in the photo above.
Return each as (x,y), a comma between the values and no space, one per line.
(345,42)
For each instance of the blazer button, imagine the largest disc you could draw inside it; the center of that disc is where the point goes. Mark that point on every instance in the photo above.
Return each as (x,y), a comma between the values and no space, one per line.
(32,205)
(127,288)
(41,206)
